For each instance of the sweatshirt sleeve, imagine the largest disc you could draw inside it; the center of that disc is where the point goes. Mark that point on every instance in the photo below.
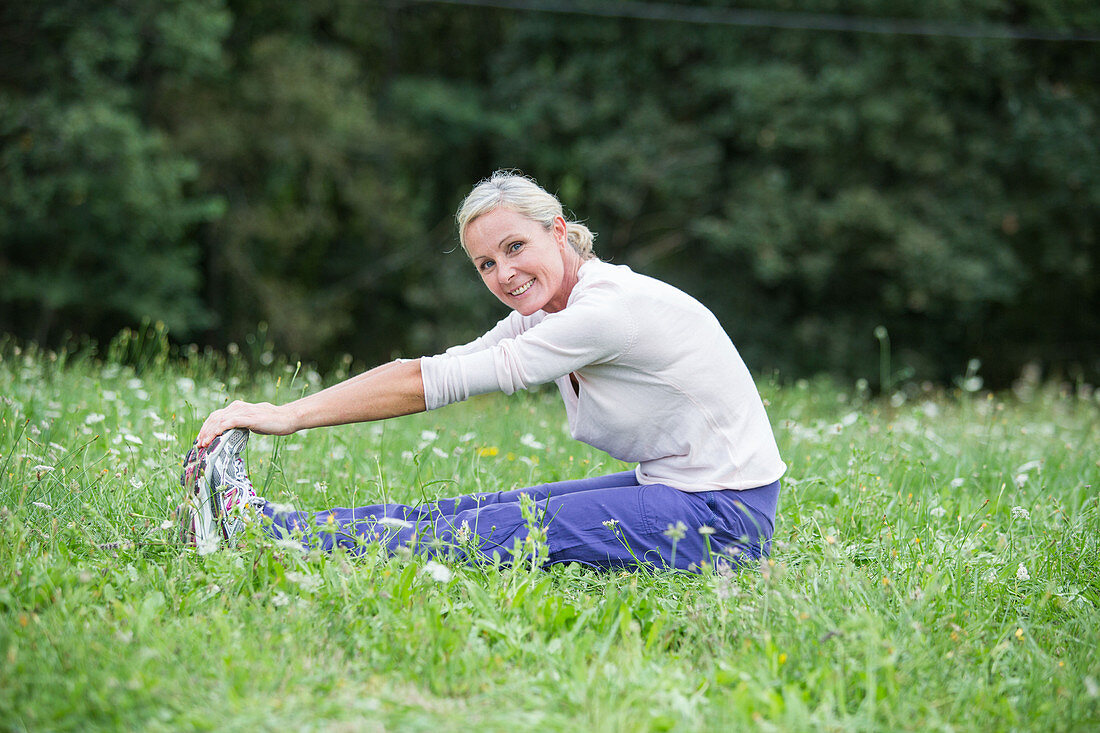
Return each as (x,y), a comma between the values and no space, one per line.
(508,327)
(595,328)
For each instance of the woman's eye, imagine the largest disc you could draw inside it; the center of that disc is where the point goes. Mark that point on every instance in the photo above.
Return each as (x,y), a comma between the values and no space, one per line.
(515,246)
(485,266)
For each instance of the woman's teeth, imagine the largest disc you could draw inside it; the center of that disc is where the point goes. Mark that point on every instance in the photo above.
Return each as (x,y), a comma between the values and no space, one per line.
(523,289)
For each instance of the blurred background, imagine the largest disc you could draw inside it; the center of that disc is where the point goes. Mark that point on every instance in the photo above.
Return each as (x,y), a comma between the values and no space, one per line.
(828,176)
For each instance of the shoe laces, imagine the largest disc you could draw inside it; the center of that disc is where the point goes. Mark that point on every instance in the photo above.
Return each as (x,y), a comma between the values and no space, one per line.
(237,490)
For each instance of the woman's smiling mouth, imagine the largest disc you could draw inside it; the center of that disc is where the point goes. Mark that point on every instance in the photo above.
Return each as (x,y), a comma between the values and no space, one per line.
(522,289)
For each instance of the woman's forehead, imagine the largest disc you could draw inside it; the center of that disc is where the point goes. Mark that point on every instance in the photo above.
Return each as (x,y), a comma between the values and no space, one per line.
(494,227)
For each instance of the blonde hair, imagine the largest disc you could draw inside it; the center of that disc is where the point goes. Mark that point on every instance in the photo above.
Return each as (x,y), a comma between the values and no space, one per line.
(512,190)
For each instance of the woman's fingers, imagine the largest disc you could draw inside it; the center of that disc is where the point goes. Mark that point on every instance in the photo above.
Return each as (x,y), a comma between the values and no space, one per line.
(261,417)
(234,415)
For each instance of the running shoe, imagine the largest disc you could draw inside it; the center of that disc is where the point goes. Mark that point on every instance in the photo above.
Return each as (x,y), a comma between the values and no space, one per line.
(219,499)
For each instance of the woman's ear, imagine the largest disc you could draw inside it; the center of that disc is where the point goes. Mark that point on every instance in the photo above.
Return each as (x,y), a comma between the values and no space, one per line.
(561,231)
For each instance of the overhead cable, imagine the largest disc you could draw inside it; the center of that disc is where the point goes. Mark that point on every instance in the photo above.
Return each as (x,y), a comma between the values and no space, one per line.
(744,17)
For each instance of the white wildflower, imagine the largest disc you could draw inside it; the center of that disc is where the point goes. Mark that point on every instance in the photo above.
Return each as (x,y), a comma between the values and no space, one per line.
(166,437)
(280,599)
(167,524)
(306,581)
(957,482)
(395,522)
(705,530)
(990,576)
(94,418)
(930,409)
(440,573)
(1029,466)
(43,468)
(466,437)
(675,531)
(136,482)
(611,524)
(42,505)
(208,545)
(289,545)
(133,439)
(1091,688)
(439,452)
(1018,512)
(937,511)
(428,436)
(1020,480)
(134,383)
(185,384)
(528,439)
(1022,573)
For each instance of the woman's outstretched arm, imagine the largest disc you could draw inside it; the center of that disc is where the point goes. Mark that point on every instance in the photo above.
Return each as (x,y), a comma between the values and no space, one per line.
(389,390)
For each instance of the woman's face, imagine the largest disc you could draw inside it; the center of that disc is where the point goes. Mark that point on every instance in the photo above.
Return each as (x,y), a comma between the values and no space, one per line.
(527,267)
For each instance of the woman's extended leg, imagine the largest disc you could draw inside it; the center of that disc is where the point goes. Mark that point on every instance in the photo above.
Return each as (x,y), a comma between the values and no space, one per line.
(607,521)
(350,526)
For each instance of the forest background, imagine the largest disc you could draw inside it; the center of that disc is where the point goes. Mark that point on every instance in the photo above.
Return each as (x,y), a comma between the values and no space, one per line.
(219,164)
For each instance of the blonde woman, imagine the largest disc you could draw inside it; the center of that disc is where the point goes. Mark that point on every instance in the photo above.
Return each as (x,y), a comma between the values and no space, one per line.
(646,373)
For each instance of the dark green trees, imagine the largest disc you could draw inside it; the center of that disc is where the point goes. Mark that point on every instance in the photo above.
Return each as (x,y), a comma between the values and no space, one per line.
(219,164)
(96,217)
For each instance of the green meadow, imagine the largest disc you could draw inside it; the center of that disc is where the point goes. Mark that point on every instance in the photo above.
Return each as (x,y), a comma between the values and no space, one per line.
(936,566)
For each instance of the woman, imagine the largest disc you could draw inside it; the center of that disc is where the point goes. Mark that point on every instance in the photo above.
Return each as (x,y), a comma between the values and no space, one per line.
(646,373)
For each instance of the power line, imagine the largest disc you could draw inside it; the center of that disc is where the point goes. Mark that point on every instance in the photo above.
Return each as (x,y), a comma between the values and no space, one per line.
(644,10)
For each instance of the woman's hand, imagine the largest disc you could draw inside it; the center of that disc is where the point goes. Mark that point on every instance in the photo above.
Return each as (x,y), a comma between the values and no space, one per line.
(386,391)
(259,417)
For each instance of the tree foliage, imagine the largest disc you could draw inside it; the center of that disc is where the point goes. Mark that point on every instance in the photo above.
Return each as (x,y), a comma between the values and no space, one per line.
(219,164)
(95,214)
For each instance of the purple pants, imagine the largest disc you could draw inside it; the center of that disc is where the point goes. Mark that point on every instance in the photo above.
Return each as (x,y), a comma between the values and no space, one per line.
(604,521)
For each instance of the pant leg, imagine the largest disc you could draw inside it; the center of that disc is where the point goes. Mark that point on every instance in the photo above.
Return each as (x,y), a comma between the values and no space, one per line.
(350,527)
(743,521)
(592,521)
(654,525)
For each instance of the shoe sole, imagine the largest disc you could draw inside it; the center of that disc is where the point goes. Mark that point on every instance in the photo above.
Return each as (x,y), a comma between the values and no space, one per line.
(201,517)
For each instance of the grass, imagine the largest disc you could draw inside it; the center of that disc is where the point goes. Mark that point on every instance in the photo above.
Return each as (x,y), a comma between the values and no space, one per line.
(936,567)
